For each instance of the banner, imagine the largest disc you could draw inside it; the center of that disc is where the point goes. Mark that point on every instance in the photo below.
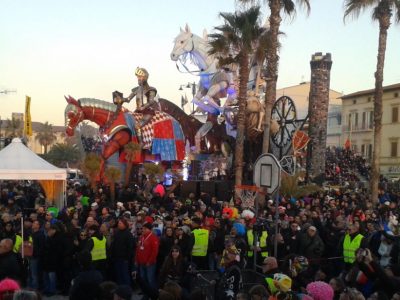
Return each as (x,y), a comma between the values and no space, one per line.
(28,122)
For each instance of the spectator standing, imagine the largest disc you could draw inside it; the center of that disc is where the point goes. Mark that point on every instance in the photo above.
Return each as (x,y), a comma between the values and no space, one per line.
(121,252)
(146,256)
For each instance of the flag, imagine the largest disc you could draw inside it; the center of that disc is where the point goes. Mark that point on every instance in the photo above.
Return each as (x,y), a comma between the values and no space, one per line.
(28,122)
(347,144)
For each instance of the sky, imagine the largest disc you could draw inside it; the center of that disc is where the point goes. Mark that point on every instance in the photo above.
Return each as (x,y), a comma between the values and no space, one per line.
(91,48)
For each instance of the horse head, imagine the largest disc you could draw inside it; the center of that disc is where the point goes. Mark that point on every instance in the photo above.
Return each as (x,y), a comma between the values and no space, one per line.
(73,115)
(183,43)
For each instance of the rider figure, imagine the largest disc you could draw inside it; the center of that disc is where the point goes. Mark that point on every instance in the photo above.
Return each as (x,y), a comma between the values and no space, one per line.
(145,95)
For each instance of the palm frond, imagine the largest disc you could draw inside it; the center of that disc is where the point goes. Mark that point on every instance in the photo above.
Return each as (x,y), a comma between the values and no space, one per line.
(353,8)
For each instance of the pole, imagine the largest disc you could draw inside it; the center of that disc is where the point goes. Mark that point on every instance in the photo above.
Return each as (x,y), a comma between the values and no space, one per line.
(22,237)
(276,224)
(255,235)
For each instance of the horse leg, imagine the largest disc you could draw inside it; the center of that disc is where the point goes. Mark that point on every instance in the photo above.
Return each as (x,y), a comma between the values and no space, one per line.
(120,139)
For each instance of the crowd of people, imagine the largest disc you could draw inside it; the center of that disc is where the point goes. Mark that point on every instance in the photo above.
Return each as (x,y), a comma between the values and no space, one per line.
(333,244)
(344,166)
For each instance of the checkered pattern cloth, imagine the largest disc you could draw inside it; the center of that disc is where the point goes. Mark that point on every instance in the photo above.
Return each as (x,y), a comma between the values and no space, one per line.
(147,131)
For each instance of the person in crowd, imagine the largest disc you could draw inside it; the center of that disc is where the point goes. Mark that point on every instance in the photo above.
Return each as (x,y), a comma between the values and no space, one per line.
(200,239)
(166,242)
(121,252)
(86,284)
(36,261)
(231,281)
(174,268)
(10,265)
(97,247)
(146,256)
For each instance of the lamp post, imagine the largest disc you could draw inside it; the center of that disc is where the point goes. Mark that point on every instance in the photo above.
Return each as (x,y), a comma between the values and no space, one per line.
(189,85)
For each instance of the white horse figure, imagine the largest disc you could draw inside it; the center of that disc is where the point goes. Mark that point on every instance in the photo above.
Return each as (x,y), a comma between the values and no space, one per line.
(214,83)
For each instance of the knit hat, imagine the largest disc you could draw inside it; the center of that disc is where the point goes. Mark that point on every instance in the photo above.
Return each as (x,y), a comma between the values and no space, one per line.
(9,285)
(282,282)
(320,290)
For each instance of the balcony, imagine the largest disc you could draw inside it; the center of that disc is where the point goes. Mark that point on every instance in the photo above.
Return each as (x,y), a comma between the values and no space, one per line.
(358,128)
(389,161)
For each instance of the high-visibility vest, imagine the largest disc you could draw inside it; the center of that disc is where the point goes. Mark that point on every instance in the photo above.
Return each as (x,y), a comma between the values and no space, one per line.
(262,239)
(200,242)
(271,285)
(99,249)
(350,247)
(18,243)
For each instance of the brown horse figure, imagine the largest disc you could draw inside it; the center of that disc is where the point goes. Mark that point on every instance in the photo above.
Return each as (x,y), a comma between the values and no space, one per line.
(162,135)
(190,125)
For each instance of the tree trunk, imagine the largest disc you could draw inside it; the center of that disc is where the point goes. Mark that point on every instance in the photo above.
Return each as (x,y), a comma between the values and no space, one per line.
(384,23)
(241,121)
(128,171)
(272,59)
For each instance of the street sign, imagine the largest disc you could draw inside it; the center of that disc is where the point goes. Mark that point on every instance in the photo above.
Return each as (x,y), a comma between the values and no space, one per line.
(267,173)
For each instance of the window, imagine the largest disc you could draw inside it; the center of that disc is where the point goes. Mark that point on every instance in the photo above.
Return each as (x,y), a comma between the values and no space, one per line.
(395,114)
(364,120)
(393,149)
(371,120)
(369,153)
(369,99)
(396,95)
(354,101)
(363,150)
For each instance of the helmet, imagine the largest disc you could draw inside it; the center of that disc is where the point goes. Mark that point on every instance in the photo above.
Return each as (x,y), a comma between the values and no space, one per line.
(142,72)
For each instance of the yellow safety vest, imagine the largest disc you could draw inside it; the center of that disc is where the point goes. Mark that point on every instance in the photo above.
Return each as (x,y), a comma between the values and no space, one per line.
(262,239)
(18,243)
(200,242)
(271,285)
(350,247)
(99,249)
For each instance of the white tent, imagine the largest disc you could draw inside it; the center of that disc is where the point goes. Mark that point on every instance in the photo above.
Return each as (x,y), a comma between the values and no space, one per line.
(18,162)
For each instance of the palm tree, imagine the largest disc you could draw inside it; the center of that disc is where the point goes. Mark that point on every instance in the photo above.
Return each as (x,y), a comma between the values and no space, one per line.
(13,128)
(46,136)
(62,155)
(288,7)
(382,12)
(236,41)
(131,150)
(91,168)
(113,174)
(290,186)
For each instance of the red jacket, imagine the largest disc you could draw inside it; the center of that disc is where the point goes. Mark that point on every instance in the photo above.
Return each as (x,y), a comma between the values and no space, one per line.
(147,249)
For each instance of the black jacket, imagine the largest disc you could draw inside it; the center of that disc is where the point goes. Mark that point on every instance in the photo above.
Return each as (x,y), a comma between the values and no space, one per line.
(10,266)
(122,245)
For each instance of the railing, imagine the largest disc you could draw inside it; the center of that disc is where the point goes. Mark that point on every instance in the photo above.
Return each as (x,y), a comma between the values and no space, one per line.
(358,128)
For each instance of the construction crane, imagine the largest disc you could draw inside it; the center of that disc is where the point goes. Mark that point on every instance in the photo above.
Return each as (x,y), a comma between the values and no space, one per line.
(7,91)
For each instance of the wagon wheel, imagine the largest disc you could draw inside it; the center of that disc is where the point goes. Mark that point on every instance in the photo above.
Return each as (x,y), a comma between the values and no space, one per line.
(285,115)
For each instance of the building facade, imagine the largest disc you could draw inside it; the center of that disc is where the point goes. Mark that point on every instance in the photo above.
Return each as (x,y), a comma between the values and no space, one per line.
(300,95)
(358,126)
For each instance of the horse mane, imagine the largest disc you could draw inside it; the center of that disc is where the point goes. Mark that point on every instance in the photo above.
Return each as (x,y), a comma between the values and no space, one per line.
(91,102)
